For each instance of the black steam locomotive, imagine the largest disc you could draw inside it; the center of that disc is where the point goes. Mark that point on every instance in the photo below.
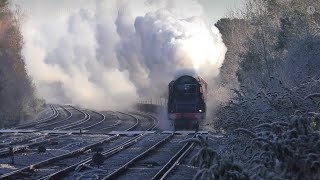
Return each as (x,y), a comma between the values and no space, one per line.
(187,102)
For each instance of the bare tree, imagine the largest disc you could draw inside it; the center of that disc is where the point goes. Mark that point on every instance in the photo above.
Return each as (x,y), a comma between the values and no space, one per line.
(16,90)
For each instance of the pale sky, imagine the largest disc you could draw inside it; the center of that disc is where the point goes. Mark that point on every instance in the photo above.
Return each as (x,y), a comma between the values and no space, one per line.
(216,9)
(92,53)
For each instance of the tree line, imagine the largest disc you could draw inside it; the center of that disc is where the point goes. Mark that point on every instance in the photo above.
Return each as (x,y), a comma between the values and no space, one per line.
(17,92)
(271,121)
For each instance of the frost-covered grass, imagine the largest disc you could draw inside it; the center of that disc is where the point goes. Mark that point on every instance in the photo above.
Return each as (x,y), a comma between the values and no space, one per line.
(214,166)
(272,122)
(271,135)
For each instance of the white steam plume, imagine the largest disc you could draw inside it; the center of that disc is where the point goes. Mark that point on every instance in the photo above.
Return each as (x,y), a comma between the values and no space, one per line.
(106,53)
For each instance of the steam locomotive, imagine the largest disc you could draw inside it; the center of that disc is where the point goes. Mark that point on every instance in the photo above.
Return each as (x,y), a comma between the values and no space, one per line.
(187,102)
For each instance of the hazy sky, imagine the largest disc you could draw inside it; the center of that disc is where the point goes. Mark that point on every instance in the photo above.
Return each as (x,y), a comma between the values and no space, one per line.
(95,53)
(215,9)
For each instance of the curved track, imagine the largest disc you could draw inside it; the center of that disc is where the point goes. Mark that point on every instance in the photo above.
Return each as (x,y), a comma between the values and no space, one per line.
(66,125)
(52,117)
(140,154)
(74,155)
(47,125)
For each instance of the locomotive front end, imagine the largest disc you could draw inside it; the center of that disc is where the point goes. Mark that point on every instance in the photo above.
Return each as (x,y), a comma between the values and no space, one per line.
(186,102)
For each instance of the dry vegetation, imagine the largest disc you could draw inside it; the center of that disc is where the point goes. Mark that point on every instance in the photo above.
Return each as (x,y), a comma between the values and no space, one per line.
(16,90)
(272,121)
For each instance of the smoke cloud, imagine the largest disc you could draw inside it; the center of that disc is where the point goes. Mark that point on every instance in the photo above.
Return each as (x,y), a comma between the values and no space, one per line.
(107,53)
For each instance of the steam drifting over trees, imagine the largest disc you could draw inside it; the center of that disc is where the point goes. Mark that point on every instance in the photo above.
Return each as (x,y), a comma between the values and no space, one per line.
(16,90)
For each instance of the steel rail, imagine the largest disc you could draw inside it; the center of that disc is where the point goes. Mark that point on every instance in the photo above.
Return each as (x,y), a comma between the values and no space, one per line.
(173,162)
(155,119)
(54,115)
(54,159)
(60,173)
(120,170)
(20,148)
(137,121)
(107,153)
(53,123)
(99,122)
(76,123)
(21,140)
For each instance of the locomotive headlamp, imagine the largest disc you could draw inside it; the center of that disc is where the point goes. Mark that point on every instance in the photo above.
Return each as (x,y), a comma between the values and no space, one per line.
(200,110)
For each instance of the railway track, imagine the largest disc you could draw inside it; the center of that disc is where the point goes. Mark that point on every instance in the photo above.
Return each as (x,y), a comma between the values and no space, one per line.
(53,116)
(23,142)
(28,141)
(155,162)
(136,155)
(47,125)
(29,170)
(70,125)
(148,120)
(93,124)
(174,162)
(117,156)
(126,122)
(36,141)
(10,139)
(184,169)
(109,120)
